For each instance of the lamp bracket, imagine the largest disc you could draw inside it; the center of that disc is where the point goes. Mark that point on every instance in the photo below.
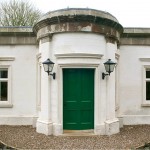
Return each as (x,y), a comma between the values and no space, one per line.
(52,74)
(104,74)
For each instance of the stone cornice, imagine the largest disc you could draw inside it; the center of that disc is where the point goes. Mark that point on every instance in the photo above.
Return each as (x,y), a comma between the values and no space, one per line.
(7,58)
(135,36)
(136,32)
(48,31)
(17,35)
(79,55)
(79,11)
(19,31)
(78,20)
(17,40)
(135,41)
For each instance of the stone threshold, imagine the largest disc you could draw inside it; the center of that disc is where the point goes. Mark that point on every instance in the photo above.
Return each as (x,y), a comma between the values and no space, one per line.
(78,133)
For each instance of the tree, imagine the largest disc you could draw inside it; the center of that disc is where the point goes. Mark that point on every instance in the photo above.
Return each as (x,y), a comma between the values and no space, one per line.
(18,13)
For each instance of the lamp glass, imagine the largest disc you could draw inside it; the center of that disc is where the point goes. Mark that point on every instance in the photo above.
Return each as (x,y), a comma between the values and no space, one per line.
(109,66)
(48,65)
(112,66)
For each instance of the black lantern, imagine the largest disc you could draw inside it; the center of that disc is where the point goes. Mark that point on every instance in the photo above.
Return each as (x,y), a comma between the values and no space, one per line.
(48,67)
(109,67)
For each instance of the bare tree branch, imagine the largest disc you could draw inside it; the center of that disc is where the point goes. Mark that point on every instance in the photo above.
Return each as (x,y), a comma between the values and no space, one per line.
(18,13)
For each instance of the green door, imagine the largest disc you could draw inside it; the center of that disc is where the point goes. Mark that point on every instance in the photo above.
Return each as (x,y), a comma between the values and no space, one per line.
(78,99)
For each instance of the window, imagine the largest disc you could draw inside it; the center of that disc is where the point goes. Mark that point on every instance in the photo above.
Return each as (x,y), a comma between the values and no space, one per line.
(147,84)
(145,62)
(5,86)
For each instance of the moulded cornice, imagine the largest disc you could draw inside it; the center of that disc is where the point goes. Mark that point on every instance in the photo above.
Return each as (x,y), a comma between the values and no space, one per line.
(19,31)
(79,55)
(147,59)
(78,15)
(7,58)
(79,20)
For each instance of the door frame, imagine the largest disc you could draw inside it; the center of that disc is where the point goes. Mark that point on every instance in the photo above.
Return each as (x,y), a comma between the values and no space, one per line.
(97,76)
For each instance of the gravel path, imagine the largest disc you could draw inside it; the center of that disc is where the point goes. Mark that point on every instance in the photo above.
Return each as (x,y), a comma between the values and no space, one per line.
(25,137)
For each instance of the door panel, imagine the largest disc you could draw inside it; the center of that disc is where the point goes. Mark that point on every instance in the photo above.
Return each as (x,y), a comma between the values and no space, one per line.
(78,99)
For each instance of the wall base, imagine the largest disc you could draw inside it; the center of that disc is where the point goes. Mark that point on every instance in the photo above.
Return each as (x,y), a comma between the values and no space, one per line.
(100,129)
(12,120)
(112,126)
(44,127)
(136,119)
(57,129)
(120,122)
(34,122)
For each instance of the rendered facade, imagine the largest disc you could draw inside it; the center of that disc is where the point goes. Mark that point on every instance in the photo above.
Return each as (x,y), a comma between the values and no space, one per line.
(78,41)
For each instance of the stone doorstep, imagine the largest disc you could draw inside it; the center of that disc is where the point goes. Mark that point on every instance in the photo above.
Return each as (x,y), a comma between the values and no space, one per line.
(78,133)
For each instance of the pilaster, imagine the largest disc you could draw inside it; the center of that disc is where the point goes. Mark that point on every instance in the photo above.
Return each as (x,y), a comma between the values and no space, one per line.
(44,123)
(111,123)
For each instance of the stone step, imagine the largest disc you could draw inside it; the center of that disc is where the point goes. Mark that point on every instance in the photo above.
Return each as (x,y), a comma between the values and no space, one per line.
(78,133)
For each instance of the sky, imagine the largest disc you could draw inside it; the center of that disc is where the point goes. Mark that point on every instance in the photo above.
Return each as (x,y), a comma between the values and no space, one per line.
(129,13)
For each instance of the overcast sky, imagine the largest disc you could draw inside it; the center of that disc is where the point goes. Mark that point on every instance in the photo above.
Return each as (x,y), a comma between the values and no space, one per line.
(130,13)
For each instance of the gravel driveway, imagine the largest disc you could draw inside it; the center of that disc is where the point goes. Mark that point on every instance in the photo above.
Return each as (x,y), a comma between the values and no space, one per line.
(25,137)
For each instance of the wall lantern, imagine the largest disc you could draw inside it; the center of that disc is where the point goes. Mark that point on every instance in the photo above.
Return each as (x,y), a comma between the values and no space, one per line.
(109,67)
(48,67)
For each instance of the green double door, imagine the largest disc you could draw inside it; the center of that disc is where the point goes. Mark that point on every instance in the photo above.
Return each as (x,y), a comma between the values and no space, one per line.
(78,99)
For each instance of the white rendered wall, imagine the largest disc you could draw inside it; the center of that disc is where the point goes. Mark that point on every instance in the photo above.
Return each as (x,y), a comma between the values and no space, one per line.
(131,84)
(77,50)
(78,43)
(81,44)
(23,84)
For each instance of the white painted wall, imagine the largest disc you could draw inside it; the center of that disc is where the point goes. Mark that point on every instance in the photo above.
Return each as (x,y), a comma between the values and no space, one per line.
(77,50)
(78,43)
(131,84)
(73,43)
(51,90)
(23,77)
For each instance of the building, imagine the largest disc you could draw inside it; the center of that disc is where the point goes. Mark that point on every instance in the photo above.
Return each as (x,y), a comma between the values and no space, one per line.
(79,42)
